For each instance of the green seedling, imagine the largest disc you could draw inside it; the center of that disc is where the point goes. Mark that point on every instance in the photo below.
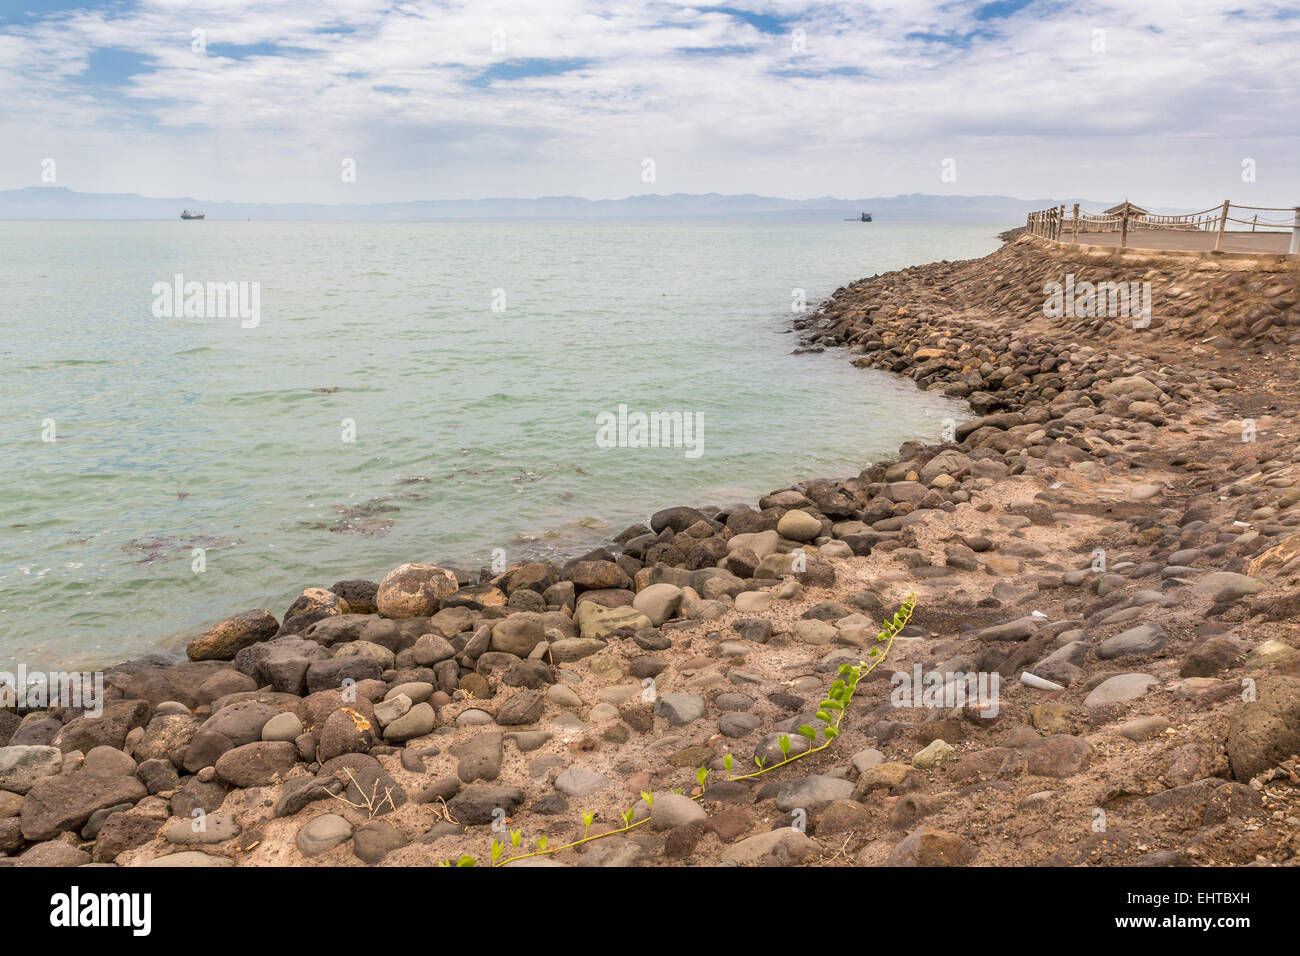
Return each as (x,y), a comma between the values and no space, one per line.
(831,711)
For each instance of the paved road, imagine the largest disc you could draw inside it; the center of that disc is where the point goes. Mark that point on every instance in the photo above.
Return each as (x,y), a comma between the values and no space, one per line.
(1257,242)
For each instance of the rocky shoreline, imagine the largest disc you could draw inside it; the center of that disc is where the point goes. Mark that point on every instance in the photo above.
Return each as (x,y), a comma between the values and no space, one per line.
(1118,520)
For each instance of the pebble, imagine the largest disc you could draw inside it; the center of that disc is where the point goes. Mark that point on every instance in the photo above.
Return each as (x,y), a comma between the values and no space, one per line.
(671,810)
(323,833)
(680,709)
(1121,688)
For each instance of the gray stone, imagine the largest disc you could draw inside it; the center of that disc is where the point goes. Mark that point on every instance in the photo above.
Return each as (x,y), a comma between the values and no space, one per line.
(286,726)
(209,828)
(480,757)
(375,840)
(1145,639)
(190,858)
(65,802)
(813,793)
(1144,728)
(738,724)
(680,709)
(257,764)
(784,846)
(323,833)
(474,806)
(580,782)
(21,766)
(671,810)
(1121,688)
(525,707)
(416,722)
(1228,586)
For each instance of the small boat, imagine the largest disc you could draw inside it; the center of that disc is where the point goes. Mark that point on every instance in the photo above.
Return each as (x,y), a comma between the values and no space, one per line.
(866,217)
(191,214)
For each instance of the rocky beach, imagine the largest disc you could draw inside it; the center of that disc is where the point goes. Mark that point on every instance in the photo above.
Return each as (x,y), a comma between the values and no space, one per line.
(1117,519)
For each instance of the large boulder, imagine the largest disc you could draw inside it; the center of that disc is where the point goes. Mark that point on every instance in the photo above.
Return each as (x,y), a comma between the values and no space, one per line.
(414,590)
(281,663)
(799,526)
(518,634)
(598,622)
(1265,731)
(222,641)
(595,575)
(947,462)
(658,602)
(65,802)
(678,519)
(21,767)
(232,726)
(1132,389)
(109,729)
(257,764)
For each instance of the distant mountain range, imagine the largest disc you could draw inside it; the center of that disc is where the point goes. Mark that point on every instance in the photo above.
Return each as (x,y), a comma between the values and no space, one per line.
(57,202)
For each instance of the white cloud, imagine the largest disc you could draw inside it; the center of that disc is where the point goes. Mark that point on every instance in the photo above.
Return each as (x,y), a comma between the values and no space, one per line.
(881,95)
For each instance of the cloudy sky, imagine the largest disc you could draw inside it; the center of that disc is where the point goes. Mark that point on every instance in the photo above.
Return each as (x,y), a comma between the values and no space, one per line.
(265,99)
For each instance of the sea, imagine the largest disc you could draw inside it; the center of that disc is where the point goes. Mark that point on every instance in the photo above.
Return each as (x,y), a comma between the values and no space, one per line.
(205,417)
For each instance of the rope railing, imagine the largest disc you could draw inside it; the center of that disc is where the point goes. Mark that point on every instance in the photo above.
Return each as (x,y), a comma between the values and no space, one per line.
(1055,222)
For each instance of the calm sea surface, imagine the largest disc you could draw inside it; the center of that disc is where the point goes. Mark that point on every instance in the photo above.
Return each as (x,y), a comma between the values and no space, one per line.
(410,392)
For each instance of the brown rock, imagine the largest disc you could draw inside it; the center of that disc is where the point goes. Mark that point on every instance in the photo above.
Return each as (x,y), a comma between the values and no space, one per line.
(257,764)
(1265,731)
(65,802)
(926,847)
(225,639)
(414,590)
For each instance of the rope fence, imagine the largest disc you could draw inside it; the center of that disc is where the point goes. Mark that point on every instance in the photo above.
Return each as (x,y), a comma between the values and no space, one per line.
(1055,222)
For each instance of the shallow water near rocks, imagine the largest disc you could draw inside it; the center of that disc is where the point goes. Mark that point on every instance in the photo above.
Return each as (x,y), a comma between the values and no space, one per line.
(200,468)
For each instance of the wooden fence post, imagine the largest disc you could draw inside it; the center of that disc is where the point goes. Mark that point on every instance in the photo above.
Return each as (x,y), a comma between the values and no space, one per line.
(1060,220)
(1076,224)
(1123,227)
(1295,233)
(1223,224)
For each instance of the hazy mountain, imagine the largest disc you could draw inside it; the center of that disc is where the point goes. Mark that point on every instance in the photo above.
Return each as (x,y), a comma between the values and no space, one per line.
(57,202)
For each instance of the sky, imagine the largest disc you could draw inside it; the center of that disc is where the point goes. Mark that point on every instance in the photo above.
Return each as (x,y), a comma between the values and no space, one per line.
(1168,102)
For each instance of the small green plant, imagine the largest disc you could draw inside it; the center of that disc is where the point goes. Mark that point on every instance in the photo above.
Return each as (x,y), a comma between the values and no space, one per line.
(830,711)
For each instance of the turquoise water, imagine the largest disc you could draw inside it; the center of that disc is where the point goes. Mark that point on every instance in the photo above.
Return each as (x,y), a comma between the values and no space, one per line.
(474,429)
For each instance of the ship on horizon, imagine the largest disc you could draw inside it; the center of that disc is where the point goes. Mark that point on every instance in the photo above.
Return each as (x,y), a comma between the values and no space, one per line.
(191,214)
